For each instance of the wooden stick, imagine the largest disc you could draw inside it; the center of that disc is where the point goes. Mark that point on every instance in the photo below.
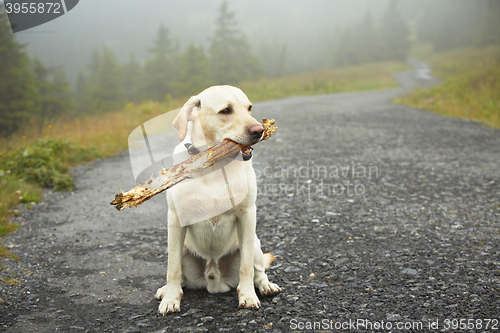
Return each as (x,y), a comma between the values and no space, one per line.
(186,170)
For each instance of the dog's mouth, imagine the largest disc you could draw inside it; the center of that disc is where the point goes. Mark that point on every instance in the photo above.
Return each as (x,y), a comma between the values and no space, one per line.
(246,153)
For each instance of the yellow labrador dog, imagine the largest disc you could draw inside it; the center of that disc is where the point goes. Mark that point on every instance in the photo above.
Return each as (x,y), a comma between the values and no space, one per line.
(212,241)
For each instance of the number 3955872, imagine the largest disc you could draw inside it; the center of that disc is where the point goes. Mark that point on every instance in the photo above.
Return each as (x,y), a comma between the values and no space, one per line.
(33,8)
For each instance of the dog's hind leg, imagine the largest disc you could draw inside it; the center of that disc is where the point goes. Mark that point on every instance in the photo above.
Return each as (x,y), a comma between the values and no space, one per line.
(261,262)
(193,270)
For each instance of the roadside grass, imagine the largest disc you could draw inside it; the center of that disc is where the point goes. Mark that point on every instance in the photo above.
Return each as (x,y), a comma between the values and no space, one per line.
(13,192)
(470,87)
(106,132)
(39,155)
(7,276)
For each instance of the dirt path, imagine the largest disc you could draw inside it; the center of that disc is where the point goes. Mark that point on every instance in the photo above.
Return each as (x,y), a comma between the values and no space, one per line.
(375,212)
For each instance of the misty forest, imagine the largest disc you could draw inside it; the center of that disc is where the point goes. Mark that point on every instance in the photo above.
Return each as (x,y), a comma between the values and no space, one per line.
(173,68)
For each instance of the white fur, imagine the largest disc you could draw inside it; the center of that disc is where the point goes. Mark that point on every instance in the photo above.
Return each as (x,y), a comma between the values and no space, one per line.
(211,240)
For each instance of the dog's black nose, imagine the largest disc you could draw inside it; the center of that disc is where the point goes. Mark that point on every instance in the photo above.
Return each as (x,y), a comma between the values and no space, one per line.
(256,131)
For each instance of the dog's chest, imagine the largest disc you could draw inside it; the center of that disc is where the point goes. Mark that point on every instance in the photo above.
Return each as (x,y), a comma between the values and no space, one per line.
(212,195)
(225,181)
(213,237)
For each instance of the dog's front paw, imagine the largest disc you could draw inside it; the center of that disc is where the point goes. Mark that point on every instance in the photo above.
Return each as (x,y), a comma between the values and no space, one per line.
(269,289)
(170,299)
(248,299)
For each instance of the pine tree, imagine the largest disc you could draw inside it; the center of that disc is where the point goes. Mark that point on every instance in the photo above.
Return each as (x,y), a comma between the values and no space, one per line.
(53,88)
(394,33)
(491,26)
(18,90)
(367,40)
(427,26)
(82,93)
(280,67)
(160,70)
(95,61)
(450,24)
(346,51)
(85,84)
(107,92)
(231,58)
(132,80)
(194,71)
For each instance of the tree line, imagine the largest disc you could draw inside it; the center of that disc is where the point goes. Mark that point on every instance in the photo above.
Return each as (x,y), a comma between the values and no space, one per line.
(444,24)
(168,72)
(27,87)
(368,42)
(451,24)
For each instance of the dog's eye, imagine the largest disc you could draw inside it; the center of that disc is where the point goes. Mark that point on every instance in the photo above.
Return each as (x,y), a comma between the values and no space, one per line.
(249,108)
(225,111)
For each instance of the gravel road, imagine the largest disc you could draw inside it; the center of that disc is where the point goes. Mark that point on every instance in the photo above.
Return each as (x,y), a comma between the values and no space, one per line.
(378,214)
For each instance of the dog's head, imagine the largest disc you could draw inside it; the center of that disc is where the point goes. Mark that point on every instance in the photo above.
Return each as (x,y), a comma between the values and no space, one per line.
(219,113)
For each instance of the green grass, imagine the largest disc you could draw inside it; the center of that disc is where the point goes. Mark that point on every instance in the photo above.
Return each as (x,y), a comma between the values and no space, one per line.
(470,87)
(46,162)
(39,155)
(14,191)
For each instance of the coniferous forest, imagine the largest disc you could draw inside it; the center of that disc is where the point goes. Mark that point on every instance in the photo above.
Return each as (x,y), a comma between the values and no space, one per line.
(30,89)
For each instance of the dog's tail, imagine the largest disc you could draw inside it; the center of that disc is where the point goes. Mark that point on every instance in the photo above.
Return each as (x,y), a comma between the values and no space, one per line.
(268,260)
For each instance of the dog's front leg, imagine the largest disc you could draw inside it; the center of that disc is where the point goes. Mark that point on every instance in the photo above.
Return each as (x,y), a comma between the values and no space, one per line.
(247,297)
(171,293)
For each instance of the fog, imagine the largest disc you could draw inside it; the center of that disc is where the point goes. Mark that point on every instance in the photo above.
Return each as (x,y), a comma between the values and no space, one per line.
(305,35)
(308,29)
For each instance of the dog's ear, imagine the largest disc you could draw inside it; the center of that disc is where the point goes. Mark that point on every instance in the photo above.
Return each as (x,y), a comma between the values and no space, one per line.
(187,113)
